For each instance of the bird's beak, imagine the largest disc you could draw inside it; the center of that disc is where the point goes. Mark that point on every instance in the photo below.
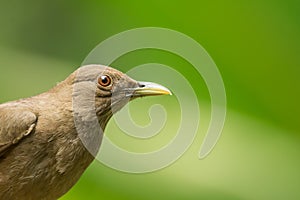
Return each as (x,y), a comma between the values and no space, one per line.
(150,89)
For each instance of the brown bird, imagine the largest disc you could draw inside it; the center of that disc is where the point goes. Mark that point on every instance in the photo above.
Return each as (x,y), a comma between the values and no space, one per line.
(47,141)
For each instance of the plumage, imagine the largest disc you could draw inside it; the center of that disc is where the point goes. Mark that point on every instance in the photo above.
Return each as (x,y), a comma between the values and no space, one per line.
(41,152)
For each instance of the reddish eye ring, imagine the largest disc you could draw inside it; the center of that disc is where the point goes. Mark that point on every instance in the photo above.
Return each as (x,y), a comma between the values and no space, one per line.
(104,80)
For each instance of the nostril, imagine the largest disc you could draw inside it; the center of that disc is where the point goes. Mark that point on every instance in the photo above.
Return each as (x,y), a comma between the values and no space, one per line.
(141,85)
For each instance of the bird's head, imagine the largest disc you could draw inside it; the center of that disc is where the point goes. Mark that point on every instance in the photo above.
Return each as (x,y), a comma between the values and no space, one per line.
(97,93)
(107,90)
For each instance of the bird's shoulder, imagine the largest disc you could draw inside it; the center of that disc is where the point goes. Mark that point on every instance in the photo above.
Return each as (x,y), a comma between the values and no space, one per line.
(16,122)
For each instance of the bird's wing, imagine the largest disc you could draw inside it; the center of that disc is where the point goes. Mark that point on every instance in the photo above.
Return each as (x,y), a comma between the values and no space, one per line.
(15,124)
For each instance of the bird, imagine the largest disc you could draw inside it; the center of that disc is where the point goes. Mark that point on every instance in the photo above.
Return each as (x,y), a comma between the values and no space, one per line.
(47,141)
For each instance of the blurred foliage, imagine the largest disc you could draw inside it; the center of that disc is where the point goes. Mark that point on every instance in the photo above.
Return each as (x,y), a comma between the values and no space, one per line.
(255,44)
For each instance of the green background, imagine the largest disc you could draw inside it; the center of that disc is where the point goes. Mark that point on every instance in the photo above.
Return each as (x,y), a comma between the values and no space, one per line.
(256,47)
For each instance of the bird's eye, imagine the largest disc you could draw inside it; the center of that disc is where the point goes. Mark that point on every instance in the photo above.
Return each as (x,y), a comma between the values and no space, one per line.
(104,80)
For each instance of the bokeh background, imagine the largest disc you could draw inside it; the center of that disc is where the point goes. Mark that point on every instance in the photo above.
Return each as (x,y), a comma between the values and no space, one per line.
(256,46)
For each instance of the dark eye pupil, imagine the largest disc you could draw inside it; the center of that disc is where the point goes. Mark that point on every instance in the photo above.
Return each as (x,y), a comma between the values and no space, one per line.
(104,79)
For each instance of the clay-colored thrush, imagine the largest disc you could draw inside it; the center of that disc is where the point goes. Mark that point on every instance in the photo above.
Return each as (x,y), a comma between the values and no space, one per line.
(45,141)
